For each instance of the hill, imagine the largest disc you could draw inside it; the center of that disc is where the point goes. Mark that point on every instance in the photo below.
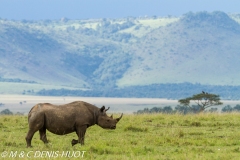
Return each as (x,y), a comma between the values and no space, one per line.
(198,48)
(116,53)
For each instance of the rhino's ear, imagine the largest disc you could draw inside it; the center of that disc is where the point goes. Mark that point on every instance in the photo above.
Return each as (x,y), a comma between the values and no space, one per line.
(107,109)
(102,109)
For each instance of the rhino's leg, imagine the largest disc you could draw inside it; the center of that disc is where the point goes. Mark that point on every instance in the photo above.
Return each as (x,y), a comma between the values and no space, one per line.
(80,133)
(43,135)
(74,141)
(36,122)
(29,137)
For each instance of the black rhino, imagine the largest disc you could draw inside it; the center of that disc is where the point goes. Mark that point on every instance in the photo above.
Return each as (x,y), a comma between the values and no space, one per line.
(63,119)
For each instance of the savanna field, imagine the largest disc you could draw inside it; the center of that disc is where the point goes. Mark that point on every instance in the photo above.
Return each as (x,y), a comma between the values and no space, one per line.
(147,136)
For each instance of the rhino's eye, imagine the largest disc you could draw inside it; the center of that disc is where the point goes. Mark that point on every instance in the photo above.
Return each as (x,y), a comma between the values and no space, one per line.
(108,120)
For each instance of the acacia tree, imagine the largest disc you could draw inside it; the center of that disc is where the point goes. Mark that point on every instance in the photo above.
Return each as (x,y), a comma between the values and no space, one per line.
(203,100)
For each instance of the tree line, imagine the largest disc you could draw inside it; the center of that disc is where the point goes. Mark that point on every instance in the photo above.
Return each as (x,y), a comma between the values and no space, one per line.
(186,110)
(201,100)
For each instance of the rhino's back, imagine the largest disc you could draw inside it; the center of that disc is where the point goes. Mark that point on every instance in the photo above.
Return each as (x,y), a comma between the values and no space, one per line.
(65,109)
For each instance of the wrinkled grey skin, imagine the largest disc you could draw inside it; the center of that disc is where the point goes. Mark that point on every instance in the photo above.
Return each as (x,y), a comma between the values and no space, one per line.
(63,119)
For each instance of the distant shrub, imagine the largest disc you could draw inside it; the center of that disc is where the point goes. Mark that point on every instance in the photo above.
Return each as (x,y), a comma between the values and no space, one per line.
(166,110)
(236,108)
(6,112)
(135,129)
(227,108)
(197,124)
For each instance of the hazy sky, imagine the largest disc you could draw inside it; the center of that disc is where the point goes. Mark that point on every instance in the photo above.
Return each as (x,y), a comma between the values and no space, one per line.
(84,9)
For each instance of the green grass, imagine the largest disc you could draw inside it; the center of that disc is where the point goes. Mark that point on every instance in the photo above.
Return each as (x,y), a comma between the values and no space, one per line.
(156,136)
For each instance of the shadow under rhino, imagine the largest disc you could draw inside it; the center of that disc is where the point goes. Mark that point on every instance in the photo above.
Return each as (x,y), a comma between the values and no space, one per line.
(63,119)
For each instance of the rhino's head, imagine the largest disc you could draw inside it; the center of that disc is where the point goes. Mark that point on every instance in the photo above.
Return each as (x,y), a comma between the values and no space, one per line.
(107,122)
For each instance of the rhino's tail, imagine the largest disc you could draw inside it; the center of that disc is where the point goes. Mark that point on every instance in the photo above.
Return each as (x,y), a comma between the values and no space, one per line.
(34,109)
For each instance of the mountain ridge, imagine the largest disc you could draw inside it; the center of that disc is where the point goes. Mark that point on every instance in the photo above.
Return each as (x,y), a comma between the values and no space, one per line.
(197,47)
(189,49)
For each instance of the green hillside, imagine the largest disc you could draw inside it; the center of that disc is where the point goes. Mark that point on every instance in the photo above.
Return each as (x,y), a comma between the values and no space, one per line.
(199,48)
(115,53)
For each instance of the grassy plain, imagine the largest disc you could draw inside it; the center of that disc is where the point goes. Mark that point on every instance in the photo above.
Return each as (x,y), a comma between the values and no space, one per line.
(156,136)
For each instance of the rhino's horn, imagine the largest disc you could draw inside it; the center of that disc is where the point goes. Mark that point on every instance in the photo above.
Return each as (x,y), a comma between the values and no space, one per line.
(111,116)
(118,119)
